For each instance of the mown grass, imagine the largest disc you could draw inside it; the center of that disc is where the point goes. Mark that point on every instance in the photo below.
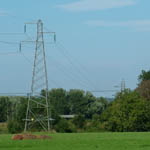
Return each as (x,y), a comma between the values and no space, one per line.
(81,141)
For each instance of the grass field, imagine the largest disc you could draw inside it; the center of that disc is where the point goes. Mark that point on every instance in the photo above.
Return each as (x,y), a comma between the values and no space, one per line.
(81,141)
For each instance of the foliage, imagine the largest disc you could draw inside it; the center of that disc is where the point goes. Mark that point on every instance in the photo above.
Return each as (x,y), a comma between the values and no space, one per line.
(58,101)
(94,125)
(16,121)
(14,126)
(4,108)
(144,89)
(64,126)
(97,106)
(79,121)
(76,101)
(144,76)
(144,84)
(129,112)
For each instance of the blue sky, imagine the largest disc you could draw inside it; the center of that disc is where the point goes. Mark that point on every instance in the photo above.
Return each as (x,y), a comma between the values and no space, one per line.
(107,39)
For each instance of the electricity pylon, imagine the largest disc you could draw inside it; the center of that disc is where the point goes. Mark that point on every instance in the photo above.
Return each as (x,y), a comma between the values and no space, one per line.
(38,108)
(123,86)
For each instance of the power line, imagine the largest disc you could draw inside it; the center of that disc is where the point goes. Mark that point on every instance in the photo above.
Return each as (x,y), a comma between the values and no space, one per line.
(78,72)
(73,78)
(60,68)
(14,43)
(30,62)
(64,52)
(69,73)
(12,34)
(103,91)
(55,83)
(9,53)
(26,58)
(11,43)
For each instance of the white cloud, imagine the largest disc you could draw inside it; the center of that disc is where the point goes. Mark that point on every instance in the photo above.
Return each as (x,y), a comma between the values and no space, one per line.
(136,24)
(131,23)
(89,5)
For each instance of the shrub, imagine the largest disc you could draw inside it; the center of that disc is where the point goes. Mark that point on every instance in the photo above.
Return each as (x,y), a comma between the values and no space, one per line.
(64,126)
(14,127)
(128,113)
(79,121)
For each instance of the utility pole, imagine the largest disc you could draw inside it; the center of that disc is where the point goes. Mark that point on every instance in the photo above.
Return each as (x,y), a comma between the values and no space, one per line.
(38,107)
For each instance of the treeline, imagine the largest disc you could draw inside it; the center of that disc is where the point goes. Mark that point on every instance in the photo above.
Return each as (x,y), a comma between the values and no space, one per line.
(74,102)
(128,112)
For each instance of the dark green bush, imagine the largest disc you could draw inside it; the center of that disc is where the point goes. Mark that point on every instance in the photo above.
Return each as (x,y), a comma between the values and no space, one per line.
(64,126)
(14,127)
(79,121)
(128,113)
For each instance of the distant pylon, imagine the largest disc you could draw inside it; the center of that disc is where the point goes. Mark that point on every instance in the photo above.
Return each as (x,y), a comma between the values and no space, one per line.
(38,112)
(123,86)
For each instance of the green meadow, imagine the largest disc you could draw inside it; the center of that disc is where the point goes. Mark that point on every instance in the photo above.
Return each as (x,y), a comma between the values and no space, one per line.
(81,141)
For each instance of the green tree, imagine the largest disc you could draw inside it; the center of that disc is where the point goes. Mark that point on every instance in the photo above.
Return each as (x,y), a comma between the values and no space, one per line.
(129,112)
(145,75)
(97,106)
(58,102)
(4,108)
(79,121)
(144,89)
(144,84)
(16,121)
(64,126)
(77,101)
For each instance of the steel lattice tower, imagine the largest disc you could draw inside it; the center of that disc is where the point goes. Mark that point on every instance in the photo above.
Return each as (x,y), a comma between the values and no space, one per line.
(123,86)
(38,112)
